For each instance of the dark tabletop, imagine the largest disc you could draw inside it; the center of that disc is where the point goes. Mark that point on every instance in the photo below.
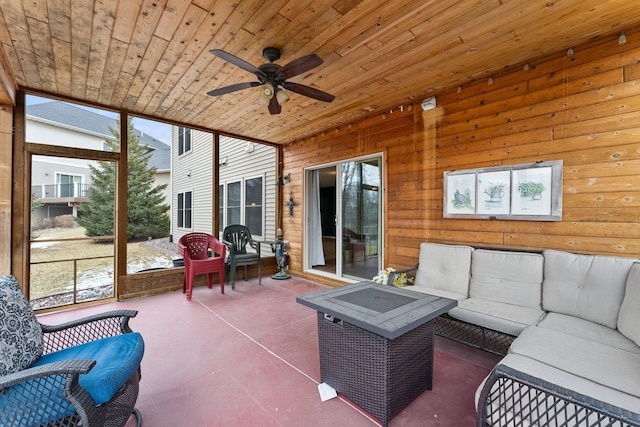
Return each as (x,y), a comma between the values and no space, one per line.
(384,310)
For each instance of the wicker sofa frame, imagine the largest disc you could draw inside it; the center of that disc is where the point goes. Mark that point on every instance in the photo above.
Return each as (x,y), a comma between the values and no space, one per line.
(27,401)
(527,400)
(511,398)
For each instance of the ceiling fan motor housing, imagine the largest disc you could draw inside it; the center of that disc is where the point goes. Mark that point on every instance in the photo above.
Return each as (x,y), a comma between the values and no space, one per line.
(271,54)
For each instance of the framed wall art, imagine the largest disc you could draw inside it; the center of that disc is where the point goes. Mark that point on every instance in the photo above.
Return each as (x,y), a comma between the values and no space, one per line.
(517,192)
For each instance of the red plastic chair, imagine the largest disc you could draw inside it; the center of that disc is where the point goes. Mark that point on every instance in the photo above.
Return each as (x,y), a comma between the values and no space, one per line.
(194,248)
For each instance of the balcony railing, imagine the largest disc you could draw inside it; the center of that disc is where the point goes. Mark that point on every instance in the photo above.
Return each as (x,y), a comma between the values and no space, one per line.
(57,191)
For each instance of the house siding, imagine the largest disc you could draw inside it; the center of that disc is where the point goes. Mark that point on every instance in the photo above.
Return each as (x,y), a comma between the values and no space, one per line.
(241,164)
(193,171)
(582,109)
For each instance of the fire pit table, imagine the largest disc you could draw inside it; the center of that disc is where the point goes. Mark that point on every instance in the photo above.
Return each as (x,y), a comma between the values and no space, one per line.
(376,343)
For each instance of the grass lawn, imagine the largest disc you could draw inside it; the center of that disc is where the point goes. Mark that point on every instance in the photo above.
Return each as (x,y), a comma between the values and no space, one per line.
(89,260)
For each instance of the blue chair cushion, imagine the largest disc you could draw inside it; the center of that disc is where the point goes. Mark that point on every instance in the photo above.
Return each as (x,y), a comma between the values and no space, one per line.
(117,358)
(20,331)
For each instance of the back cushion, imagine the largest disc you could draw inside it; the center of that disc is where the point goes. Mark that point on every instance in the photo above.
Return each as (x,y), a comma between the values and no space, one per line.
(629,318)
(509,277)
(590,287)
(20,332)
(445,267)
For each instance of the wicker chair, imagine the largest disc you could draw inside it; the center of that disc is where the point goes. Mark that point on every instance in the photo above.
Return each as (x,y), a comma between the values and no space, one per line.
(237,238)
(82,372)
(194,247)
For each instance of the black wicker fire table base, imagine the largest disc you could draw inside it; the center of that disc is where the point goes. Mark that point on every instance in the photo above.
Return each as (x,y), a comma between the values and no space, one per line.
(380,375)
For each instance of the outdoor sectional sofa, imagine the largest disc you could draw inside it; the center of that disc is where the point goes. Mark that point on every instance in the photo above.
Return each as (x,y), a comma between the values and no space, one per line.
(568,323)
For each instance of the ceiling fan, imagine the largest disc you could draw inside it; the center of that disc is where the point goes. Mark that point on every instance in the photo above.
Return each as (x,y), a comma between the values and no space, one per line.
(272,78)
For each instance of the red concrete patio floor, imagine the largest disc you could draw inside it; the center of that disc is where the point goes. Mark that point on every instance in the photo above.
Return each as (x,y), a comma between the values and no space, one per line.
(250,358)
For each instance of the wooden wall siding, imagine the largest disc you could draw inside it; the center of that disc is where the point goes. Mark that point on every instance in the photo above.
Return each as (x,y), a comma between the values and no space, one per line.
(583,109)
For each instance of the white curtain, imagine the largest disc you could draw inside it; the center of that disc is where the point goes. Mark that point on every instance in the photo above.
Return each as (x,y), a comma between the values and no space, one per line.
(317,253)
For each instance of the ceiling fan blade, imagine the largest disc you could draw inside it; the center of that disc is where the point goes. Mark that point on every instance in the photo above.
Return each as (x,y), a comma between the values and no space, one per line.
(308,91)
(274,107)
(299,66)
(232,88)
(240,63)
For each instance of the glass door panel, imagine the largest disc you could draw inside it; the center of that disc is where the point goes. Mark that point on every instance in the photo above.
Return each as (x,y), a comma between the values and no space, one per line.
(343,219)
(360,218)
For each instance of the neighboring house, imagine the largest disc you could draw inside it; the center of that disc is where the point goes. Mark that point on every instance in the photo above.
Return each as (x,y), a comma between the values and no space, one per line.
(247,184)
(62,184)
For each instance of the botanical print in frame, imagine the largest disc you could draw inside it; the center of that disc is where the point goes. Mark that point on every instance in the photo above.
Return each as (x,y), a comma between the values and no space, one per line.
(494,192)
(531,191)
(460,194)
(523,192)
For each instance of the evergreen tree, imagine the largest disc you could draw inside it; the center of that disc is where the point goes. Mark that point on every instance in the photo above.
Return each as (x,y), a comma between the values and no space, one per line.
(147,215)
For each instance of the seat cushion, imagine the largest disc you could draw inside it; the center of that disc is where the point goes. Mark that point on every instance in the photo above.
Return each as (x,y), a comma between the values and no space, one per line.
(509,277)
(605,365)
(629,317)
(587,286)
(506,318)
(588,330)
(21,341)
(445,267)
(117,358)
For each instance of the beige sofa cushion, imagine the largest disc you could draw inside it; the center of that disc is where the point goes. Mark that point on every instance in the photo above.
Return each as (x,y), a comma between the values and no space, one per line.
(445,267)
(587,286)
(507,318)
(508,277)
(437,292)
(588,330)
(605,365)
(629,318)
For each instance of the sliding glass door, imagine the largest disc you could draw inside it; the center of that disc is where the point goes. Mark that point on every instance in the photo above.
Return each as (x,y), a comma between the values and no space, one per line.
(344,219)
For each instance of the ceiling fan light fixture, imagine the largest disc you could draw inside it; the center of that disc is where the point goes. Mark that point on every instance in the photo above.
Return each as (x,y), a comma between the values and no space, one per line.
(282,97)
(266,93)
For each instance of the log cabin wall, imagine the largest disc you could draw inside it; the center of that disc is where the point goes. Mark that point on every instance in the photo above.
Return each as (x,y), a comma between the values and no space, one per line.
(582,108)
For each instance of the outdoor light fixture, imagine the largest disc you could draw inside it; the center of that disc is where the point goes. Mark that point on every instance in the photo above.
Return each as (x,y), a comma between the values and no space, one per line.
(282,180)
(622,38)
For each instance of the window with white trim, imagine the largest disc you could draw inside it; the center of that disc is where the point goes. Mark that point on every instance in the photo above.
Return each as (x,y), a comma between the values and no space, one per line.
(221,208)
(243,204)
(253,205)
(185,204)
(234,200)
(184,140)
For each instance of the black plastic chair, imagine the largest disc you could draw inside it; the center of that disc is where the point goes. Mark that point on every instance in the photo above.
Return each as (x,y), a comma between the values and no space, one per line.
(83,372)
(238,239)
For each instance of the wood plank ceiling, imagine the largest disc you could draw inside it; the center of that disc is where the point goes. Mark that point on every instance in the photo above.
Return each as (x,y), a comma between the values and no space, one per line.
(151,57)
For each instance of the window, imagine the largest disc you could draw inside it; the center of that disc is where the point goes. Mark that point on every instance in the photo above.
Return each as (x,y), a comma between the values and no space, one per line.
(221,208)
(184,209)
(184,140)
(69,185)
(253,206)
(233,203)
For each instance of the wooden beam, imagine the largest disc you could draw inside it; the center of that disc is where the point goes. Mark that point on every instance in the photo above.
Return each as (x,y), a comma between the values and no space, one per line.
(6,163)
(8,84)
